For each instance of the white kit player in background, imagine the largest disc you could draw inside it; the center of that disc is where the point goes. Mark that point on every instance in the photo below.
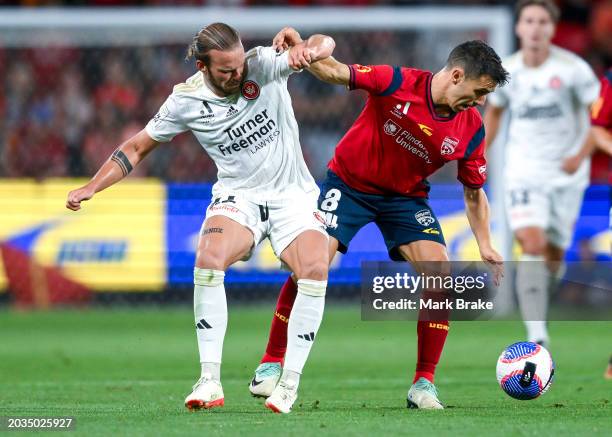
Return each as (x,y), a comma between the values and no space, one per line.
(548,97)
(238,107)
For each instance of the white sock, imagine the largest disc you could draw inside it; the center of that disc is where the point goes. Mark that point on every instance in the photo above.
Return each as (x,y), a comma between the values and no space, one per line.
(210,310)
(532,278)
(304,323)
(212,370)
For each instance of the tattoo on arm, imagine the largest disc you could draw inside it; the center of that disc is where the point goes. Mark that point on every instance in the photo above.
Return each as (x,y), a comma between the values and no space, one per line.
(212,230)
(122,161)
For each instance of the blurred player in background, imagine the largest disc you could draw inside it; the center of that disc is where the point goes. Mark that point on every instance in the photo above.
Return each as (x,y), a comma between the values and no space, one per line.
(548,97)
(413,123)
(600,137)
(238,107)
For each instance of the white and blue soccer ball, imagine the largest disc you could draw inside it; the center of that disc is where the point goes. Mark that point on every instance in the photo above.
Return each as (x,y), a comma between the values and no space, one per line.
(525,370)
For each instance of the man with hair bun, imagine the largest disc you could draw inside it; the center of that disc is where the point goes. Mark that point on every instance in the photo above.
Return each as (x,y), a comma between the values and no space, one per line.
(238,107)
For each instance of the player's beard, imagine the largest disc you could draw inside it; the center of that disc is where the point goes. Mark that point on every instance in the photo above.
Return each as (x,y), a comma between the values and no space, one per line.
(228,88)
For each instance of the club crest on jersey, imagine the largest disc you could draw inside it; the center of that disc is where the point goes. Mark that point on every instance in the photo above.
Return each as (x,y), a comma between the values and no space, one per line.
(250,90)
(555,82)
(448,145)
(424,217)
(391,128)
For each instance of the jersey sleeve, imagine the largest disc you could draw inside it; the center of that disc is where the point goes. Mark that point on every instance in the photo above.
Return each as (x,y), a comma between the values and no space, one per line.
(167,123)
(274,65)
(472,168)
(586,85)
(375,79)
(601,114)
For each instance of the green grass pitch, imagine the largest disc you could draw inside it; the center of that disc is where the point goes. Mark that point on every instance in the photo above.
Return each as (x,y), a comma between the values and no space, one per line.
(127,371)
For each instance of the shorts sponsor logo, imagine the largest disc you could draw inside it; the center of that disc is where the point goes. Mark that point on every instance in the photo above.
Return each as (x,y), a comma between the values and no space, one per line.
(424,217)
(226,208)
(448,145)
(319,217)
(250,90)
(432,231)
(391,128)
(482,169)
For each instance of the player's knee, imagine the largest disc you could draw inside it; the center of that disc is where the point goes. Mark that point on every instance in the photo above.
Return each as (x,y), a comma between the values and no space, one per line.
(312,287)
(315,270)
(533,247)
(211,259)
(208,277)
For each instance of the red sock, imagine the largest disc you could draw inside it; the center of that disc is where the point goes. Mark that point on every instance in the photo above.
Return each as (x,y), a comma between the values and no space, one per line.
(432,329)
(277,343)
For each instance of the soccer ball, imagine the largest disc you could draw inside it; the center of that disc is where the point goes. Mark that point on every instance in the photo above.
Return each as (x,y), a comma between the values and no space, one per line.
(525,370)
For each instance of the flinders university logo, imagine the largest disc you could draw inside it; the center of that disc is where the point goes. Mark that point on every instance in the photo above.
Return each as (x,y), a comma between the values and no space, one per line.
(391,128)
(448,145)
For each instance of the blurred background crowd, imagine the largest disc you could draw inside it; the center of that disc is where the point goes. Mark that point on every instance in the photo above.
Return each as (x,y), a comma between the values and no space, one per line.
(63,110)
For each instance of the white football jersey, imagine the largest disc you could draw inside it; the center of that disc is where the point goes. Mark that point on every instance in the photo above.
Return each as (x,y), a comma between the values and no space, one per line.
(548,118)
(251,136)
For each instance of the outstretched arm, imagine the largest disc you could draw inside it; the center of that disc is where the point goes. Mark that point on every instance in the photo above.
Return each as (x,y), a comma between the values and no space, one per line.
(313,54)
(122,161)
(303,53)
(477,212)
(331,71)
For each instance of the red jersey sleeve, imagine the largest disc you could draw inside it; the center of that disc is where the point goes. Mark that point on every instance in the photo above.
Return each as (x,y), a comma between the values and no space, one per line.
(601,114)
(375,79)
(472,168)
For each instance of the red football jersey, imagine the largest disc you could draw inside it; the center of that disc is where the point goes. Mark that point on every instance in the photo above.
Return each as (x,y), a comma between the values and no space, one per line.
(601,114)
(398,140)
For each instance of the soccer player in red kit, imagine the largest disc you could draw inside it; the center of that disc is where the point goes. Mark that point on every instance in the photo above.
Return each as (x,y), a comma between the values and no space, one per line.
(600,137)
(412,124)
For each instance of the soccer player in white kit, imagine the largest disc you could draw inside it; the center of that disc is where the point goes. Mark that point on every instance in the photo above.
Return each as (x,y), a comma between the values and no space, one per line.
(238,107)
(548,96)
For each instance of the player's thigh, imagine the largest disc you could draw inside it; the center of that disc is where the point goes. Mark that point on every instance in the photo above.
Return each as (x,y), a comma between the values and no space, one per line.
(566,203)
(229,232)
(222,242)
(426,256)
(307,255)
(403,221)
(344,210)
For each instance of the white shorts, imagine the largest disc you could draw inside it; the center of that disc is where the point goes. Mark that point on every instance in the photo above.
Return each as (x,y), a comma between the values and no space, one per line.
(279,220)
(554,209)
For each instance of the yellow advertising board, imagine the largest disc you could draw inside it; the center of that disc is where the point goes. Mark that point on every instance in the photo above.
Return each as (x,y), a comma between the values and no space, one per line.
(115,242)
